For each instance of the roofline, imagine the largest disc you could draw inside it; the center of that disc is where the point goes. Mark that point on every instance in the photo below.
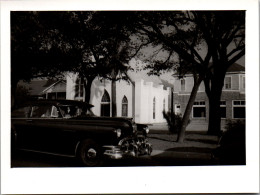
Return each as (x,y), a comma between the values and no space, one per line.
(58,102)
(187,75)
(51,86)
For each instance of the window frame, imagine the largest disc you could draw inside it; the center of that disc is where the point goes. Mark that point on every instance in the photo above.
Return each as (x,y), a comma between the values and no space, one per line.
(243,82)
(238,106)
(199,106)
(105,103)
(223,106)
(183,84)
(226,77)
(80,84)
(154,109)
(123,104)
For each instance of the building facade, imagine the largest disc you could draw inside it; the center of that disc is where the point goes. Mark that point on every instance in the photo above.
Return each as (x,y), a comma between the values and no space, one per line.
(233,103)
(144,97)
(140,99)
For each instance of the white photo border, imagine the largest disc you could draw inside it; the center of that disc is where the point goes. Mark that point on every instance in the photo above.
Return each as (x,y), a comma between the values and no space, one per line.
(179,179)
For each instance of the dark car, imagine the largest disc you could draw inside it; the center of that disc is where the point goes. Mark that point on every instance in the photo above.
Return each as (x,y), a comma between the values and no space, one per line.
(69,128)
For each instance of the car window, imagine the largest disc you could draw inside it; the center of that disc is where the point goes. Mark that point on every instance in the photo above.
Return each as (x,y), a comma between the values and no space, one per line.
(41,111)
(23,112)
(55,112)
(68,111)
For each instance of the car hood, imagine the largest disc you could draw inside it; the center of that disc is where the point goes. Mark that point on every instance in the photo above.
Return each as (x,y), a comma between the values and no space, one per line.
(117,122)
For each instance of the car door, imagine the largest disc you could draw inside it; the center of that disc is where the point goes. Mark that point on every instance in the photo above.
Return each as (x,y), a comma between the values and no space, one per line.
(52,132)
(43,127)
(21,127)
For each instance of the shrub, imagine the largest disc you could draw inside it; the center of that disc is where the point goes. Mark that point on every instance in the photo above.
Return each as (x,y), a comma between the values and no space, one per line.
(174,121)
(235,125)
(232,143)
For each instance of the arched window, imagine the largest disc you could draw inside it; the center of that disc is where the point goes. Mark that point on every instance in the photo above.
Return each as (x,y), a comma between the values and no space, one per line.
(124,106)
(182,85)
(79,88)
(163,104)
(154,108)
(105,104)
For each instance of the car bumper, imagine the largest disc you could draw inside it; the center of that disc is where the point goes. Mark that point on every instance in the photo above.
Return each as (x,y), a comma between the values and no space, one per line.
(113,152)
(116,152)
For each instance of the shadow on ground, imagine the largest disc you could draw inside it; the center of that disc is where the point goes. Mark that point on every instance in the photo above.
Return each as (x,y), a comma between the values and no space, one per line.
(190,149)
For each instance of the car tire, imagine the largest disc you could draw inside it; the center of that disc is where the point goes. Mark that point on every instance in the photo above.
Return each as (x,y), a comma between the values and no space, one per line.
(90,153)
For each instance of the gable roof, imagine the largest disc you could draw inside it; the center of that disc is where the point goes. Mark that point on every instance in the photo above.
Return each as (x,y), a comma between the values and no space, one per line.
(50,85)
(236,68)
(36,86)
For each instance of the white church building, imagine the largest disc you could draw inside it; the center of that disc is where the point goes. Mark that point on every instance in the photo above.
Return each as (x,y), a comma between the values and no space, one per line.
(144,98)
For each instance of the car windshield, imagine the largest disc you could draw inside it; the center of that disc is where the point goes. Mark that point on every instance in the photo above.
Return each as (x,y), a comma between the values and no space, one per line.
(69,111)
(44,111)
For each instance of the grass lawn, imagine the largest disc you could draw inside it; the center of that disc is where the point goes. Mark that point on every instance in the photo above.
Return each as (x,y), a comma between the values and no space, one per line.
(194,142)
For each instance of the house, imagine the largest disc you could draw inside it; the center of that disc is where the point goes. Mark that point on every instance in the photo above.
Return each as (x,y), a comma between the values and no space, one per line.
(143,98)
(232,100)
(45,88)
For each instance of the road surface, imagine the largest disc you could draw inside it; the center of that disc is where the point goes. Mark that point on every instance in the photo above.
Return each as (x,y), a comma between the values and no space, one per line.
(158,158)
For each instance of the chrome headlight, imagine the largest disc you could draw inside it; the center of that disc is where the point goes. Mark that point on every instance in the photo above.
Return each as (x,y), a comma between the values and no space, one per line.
(134,128)
(146,129)
(118,132)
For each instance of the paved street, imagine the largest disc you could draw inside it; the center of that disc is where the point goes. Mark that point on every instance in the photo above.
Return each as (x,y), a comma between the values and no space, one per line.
(158,158)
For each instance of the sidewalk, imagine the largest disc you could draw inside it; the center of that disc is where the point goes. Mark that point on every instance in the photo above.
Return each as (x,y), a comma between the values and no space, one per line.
(158,128)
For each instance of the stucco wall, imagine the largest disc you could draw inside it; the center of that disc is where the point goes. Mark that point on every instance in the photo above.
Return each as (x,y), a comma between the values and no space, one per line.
(145,93)
(140,98)
(123,89)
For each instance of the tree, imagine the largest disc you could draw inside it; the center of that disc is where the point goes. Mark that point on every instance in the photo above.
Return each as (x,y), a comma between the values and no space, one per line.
(120,49)
(175,37)
(30,56)
(186,34)
(117,71)
(51,43)
(224,34)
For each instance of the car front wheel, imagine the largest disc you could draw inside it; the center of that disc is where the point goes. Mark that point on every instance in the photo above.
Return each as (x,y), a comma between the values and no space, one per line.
(90,153)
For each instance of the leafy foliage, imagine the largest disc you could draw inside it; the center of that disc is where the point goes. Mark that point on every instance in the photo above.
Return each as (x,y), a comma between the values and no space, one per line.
(203,43)
(91,44)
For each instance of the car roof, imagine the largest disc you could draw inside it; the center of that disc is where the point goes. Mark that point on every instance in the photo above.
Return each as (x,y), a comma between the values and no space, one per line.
(59,103)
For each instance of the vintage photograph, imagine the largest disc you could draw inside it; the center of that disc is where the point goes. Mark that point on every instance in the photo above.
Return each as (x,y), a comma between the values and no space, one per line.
(129,97)
(128,88)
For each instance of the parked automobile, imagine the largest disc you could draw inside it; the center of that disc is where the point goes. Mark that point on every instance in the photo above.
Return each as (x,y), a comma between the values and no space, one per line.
(69,128)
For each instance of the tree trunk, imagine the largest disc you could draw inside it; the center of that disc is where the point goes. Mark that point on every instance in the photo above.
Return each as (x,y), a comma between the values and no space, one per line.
(113,89)
(188,109)
(14,83)
(87,86)
(214,125)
